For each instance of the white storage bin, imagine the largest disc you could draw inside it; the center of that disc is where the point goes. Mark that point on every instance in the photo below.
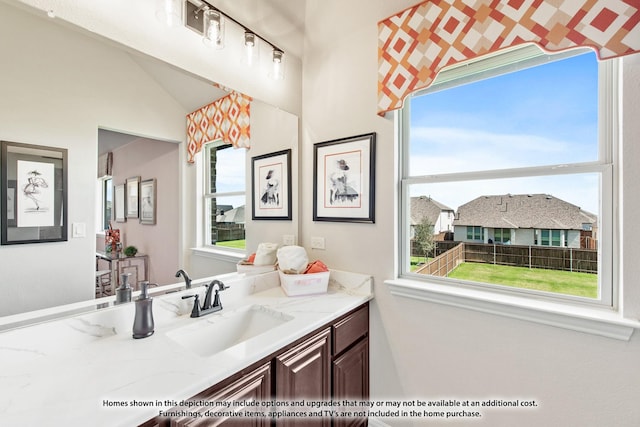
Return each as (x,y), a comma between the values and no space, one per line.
(254,269)
(304,284)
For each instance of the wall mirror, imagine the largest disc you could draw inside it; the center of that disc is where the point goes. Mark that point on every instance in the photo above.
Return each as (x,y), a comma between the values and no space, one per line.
(103,98)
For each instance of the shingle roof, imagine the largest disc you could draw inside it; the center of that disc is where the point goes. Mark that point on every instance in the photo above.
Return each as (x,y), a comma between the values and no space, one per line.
(523,211)
(424,206)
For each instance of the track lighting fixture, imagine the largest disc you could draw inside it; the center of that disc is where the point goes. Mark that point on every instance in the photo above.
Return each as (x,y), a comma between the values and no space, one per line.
(208,20)
(251,50)
(278,64)
(213,29)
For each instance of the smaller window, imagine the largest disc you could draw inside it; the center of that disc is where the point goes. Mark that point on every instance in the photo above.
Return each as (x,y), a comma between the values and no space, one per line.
(106,202)
(502,235)
(224,196)
(551,237)
(475,233)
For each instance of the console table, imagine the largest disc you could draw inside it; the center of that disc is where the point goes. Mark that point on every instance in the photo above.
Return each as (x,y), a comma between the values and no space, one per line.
(137,265)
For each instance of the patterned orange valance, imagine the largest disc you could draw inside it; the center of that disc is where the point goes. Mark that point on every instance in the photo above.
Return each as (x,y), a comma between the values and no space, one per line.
(228,118)
(415,44)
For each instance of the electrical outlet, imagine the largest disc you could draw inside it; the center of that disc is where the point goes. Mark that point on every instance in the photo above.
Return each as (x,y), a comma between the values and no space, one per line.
(317,242)
(288,239)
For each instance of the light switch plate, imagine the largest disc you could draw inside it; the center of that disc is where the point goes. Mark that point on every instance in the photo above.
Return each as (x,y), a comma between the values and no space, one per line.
(79,229)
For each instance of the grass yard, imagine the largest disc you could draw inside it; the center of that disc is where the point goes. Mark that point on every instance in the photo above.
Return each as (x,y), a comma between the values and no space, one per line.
(236,244)
(417,261)
(563,282)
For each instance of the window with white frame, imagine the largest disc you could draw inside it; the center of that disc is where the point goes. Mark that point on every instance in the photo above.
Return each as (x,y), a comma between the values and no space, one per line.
(105,202)
(520,144)
(224,197)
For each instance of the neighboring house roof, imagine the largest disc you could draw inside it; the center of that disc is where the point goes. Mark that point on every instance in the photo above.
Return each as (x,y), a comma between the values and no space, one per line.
(235,215)
(221,209)
(423,206)
(523,211)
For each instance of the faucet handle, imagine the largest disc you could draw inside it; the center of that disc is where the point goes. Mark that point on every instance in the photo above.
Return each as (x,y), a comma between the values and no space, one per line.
(195,311)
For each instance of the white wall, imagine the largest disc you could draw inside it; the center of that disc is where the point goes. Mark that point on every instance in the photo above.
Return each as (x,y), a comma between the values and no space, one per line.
(421,349)
(57,88)
(272,130)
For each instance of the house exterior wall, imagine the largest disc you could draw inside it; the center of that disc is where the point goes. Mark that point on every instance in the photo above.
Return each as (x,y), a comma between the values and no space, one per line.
(445,222)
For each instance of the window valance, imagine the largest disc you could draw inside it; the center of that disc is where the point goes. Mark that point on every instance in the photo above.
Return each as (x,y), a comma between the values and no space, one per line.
(415,44)
(228,118)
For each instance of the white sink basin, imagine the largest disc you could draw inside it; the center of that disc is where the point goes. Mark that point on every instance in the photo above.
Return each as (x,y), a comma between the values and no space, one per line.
(220,331)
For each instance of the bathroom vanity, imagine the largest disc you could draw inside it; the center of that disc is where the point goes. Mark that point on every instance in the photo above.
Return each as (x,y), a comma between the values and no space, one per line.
(87,368)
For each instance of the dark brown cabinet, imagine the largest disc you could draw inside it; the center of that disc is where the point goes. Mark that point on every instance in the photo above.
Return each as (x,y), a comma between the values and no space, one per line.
(331,363)
(351,380)
(303,373)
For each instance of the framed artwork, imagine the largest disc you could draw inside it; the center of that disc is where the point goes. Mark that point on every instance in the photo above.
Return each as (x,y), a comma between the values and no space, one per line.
(344,179)
(120,205)
(34,188)
(271,186)
(148,201)
(133,200)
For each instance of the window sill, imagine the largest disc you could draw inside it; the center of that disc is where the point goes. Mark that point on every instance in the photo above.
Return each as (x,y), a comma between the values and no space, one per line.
(219,254)
(582,319)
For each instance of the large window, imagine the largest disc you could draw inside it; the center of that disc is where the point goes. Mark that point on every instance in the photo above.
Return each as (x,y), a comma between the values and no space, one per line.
(224,196)
(518,145)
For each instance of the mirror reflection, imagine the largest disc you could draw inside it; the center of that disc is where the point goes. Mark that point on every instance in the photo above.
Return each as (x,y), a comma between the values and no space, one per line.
(99,98)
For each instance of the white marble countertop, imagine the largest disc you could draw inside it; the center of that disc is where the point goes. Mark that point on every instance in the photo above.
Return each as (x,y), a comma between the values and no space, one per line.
(68,371)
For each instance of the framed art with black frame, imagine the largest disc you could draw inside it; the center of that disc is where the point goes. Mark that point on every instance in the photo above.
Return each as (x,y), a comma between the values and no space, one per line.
(34,193)
(344,179)
(271,186)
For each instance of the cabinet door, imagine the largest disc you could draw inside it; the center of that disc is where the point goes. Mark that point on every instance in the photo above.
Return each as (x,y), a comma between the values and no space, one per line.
(252,387)
(351,380)
(304,373)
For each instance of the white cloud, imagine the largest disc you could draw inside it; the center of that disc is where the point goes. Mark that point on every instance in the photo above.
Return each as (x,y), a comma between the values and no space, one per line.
(442,150)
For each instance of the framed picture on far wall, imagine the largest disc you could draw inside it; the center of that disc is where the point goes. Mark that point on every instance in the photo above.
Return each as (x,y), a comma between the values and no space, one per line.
(119,203)
(344,179)
(271,186)
(133,200)
(148,201)
(34,193)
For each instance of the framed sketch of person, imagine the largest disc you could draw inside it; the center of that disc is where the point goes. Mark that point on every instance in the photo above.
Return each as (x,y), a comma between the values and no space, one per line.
(271,186)
(344,179)
(34,188)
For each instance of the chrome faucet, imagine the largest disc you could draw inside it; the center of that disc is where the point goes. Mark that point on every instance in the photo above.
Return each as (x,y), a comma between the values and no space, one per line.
(207,306)
(187,279)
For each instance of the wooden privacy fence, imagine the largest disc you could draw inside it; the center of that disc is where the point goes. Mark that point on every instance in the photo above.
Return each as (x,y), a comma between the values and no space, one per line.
(228,232)
(567,259)
(445,262)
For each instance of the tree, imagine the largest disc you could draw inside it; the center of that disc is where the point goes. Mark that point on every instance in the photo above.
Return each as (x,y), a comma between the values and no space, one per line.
(424,237)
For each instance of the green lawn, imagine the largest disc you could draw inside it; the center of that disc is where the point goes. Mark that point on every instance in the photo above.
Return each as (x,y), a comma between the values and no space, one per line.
(417,261)
(564,282)
(236,244)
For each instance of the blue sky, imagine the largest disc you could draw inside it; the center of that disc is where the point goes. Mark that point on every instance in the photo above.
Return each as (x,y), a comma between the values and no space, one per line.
(546,115)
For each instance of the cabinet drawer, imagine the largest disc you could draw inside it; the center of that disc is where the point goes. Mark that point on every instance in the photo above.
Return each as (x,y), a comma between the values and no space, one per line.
(349,329)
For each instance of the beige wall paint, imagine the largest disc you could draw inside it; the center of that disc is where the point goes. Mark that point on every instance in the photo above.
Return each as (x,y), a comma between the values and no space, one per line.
(148,159)
(421,349)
